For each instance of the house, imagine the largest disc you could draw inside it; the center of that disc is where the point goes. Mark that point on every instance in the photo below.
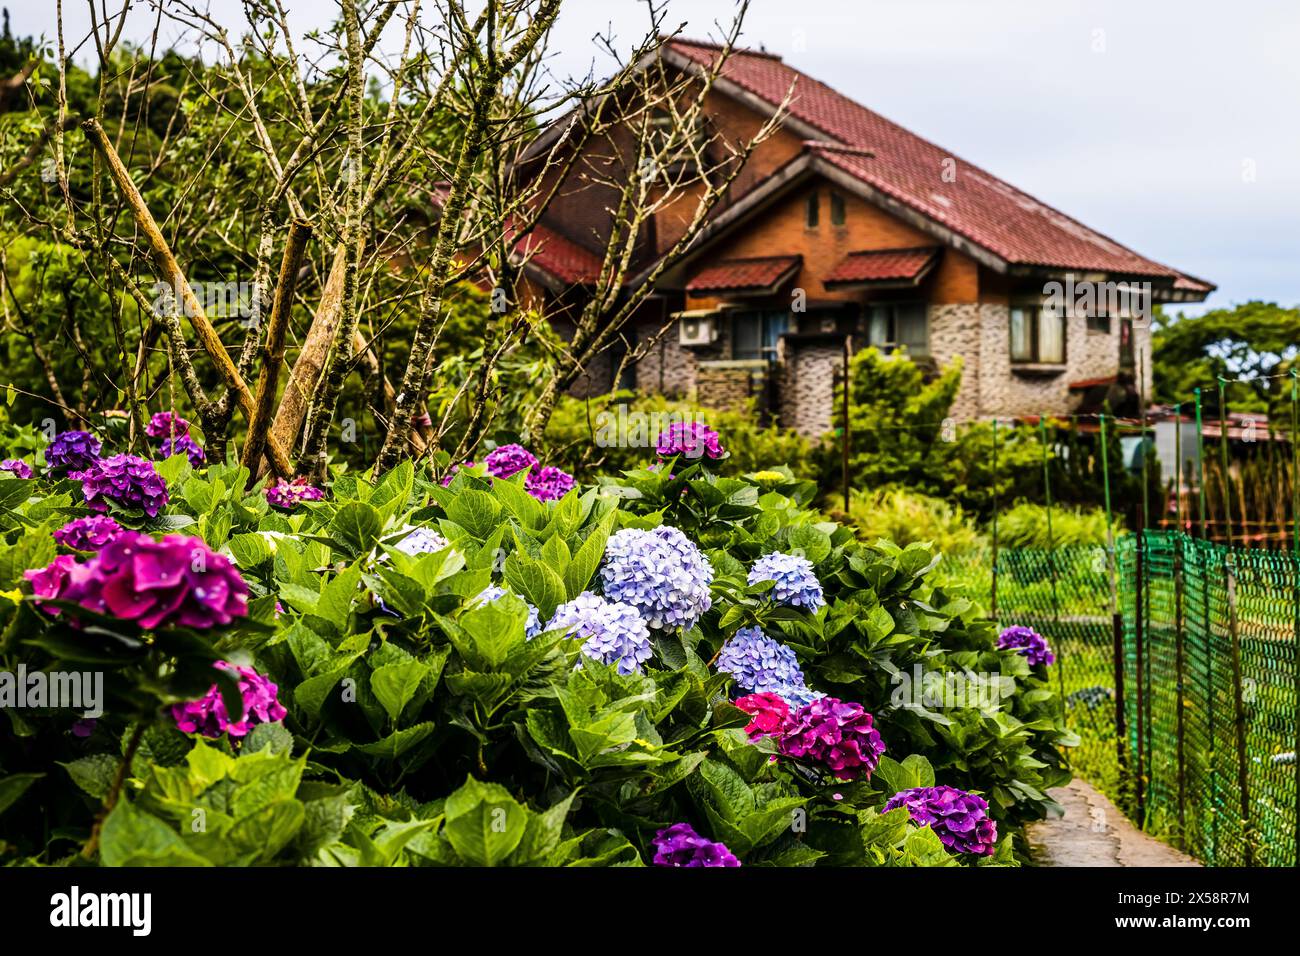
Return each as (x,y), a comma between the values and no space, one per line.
(844,231)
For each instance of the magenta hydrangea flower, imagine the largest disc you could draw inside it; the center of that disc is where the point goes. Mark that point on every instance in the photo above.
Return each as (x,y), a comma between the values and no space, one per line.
(770,713)
(166,425)
(128,481)
(17,467)
(959,819)
(1028,642)
(72,451)
(208,715)
(680,845)
(548,484)
(836,734)
(509,460)
(49,581)
(689,440)
(183,444)
(288,494)
(88,534)
(175,581)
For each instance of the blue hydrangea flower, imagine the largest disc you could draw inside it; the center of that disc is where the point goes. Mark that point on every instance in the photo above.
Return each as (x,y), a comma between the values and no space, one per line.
(661,573)
(762,665)
(614,631)
(421,541)
(492,592)
(796,582)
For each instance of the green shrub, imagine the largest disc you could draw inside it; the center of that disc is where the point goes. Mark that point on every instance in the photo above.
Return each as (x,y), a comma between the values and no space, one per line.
(1025,526)
(905,517)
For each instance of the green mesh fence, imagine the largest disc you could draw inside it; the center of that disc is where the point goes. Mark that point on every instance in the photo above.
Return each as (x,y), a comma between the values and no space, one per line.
(1221,624)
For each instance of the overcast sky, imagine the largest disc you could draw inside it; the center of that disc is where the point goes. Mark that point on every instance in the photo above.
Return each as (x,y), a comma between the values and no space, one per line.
(1171,125)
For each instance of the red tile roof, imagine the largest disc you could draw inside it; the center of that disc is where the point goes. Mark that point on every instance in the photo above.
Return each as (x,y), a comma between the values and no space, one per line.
(901,165)
(884,265)
(561,257)
(736,275)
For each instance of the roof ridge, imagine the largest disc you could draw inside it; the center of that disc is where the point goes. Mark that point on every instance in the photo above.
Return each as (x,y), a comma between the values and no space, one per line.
(715,45)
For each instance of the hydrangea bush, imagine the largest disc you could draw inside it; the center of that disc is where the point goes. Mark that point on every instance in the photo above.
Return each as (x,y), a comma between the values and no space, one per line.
(658,669)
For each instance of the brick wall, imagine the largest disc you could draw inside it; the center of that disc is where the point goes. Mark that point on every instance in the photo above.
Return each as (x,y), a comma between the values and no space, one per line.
(807,382)
(729,385)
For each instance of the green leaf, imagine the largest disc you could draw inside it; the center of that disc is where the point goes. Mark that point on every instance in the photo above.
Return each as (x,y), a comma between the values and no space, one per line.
(395,685)
(93,774)
(587,558)
(14,786)
(484,823)
(538,583)
(356,525)
(475,511)
(132,837)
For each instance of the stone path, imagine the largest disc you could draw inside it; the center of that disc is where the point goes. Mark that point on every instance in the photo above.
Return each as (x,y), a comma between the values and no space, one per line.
(1094,833)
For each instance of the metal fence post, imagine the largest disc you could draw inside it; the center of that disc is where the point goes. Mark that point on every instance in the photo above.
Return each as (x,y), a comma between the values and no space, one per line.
(1180,730)
(1116,621)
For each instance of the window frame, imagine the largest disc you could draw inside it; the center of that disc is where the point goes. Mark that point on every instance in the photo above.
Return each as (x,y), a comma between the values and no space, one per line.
(766,320)
(1036,311)
(893,342)
(813,210)
(839,209)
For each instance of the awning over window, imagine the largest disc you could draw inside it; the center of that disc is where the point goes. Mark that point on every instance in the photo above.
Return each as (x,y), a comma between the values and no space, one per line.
(759,276)
(883,267)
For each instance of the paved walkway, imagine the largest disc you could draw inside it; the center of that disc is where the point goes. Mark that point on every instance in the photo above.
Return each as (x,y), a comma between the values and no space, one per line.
(1094,833)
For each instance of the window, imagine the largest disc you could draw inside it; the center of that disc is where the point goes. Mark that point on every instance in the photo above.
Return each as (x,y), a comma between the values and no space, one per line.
(1037,335)
(837,209)
(1099,322)
(754,335)
(892,325)
(673,145)
(814,210)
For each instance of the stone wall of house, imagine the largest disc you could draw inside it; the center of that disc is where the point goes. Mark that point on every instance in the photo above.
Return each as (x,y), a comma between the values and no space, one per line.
(672,369)
(955,332)
(807,383)
(729,385)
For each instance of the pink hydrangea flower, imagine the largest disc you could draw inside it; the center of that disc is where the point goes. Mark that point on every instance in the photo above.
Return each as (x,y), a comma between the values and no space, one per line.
(836,734)
(770,713)
(208,715)
(177,581)
(88,534)
(288,494)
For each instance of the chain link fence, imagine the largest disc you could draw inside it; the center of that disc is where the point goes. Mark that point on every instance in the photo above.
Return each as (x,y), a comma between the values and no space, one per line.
(1211,769)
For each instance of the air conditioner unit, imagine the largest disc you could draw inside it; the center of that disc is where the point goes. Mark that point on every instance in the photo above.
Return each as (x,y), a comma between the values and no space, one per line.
(697,329)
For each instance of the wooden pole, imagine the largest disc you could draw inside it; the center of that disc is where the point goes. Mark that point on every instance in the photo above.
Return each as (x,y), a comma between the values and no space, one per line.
(273,346)
(170,272)
(846,437)
(993,587)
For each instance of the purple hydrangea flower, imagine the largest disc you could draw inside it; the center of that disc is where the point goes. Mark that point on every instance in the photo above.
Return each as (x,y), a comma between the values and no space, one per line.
(548,484)
(17,467)
(690,440)
(287,494)
(208,715)
(661,573)
(175,581)
(959,819)
(509,460)
(1028,642)
(88,534)
(836,734)
(491,593)
(614,632)
(183,444)
(126,480)
(166,425)
(421,541)
(680,845)
(796,582)
(761,665)
(72,451)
